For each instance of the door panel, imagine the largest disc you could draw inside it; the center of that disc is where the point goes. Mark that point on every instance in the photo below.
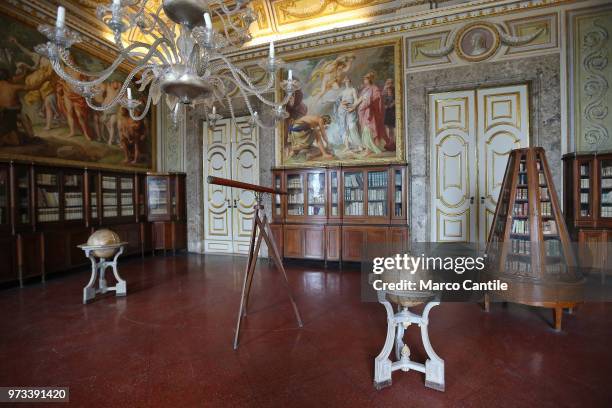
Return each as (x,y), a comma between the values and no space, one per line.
(245,168)
(218,219)
(472,134)
(452,167)
(503,125)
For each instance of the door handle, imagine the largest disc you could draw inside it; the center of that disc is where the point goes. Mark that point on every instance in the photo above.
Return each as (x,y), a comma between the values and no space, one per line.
(481,200)
(235,204)
(472,200)
(229,203)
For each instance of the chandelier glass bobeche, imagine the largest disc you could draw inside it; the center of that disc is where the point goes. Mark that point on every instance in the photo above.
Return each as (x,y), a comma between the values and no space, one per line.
(184,58)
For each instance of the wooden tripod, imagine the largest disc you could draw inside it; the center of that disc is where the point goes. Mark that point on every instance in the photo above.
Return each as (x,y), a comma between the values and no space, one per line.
(261,230)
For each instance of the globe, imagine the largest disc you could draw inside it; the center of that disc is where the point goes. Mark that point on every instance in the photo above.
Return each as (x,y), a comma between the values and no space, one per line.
(407,298)
(104,237)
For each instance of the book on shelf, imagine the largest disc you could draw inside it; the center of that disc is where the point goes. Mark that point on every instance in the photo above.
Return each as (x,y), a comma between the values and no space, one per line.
(584,198)
(552,247)
(398,197)
(520,226)
(606,183)
(126,184)
(521,209)
(606,212)
(544,193)
(541,178)
(73,199)
(521,194)
(71,180)
(109,183)
(520,246)
(606,171)
(584,183)
(523,166)
(584,170)
(377,179)
(549,227)
(546,209)
(48,214)
(354,208)
(555,268)
(377,195)
(518,267)
(47,198)
(294,182)
(352,180)
(522,179)
(45,178)
(73,213)
(353,195)
(315,210)
(377,209)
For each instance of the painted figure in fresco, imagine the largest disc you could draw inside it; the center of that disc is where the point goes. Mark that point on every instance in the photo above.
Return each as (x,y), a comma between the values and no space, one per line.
(11,115)
(371,117)
(389,105)
(346,119)
(40,79)
(330,74)
(74,108)
(307,132)
(132,133)
(109,116)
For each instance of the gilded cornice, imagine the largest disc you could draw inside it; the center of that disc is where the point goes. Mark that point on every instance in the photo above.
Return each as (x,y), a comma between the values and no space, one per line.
(400,24)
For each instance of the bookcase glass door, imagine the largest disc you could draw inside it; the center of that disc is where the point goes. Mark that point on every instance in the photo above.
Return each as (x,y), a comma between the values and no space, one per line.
(606,189)
(158,196)
(4,196)
(316,193)
(47,197)
(585,176)
(22,190)
(377,193)
(519,259)
(278,210)
(353,193)
(93,195)
(110,201)
(126,185)
(295,194)
(397,193)
(334,197)
(554,262)
(73,197)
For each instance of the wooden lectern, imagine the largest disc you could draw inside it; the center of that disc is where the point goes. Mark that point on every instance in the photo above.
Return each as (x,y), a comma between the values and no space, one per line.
(261,230)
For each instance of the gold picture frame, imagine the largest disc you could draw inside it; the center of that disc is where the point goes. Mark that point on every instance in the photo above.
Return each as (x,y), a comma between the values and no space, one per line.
(477,41)
(31,22)
(398,156)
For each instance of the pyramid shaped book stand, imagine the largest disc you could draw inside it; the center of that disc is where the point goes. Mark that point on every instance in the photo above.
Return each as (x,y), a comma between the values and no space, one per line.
(529,246)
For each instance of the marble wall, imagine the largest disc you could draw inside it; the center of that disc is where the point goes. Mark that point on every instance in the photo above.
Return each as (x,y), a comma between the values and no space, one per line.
(542,75)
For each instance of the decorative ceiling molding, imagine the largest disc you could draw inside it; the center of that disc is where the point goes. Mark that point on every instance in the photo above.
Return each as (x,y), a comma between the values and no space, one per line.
(404,24)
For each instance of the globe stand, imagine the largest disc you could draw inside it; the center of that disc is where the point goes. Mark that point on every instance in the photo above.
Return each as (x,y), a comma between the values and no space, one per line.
(98,266)
(397,323)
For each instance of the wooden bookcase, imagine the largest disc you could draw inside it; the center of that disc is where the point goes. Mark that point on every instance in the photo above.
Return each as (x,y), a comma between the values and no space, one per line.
(588,205)
(336,213)
(166,210)
(46,211)
(529,245)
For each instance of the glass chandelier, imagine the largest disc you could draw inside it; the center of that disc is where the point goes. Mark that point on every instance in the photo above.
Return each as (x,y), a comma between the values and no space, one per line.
(183,59)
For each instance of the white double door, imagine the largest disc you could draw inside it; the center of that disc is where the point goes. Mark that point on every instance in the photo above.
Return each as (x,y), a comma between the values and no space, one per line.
(229,211)
(472,133)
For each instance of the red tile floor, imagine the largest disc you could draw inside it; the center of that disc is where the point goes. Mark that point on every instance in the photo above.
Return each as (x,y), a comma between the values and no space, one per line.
(168,344)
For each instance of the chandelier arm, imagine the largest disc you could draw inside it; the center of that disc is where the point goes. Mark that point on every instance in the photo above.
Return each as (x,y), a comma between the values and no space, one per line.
(119,95)
(104,74)
(247,84)
(261,98)
(144,112)
(138,44)
(227,10)
(225,24)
